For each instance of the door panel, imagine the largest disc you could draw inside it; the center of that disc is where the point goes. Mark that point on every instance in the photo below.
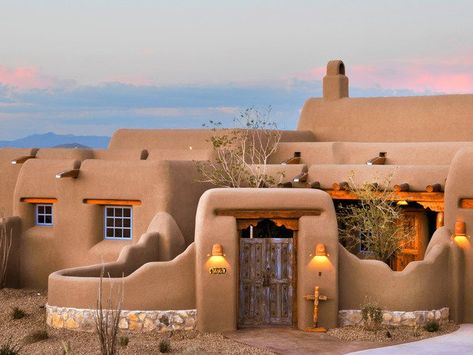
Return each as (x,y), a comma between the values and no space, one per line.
(266,281)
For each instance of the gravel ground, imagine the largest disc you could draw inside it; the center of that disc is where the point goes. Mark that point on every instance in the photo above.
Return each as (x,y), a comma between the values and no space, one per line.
(396,334)
(32,302)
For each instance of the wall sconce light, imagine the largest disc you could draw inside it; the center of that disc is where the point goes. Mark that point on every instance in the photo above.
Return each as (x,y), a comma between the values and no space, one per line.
(460,231)
(217,250)
(320,250)
(402,203)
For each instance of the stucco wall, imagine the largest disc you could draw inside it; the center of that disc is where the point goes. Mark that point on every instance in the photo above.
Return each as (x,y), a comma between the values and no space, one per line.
(217,295)
(459,186)
(153,286)
(76,238)
(422,285)
(180,139)
(389,119)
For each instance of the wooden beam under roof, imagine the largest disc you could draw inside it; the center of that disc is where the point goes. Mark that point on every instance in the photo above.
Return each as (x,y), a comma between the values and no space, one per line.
(47,200)
(410,196)
(267,214)
(96,201)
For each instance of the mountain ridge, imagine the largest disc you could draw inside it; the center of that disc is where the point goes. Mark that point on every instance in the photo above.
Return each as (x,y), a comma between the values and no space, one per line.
(51,139)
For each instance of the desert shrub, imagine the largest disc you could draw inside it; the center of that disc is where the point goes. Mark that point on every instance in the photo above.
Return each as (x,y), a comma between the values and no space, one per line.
(36,336)
(372,315)
(6,241)
(17,313)
(432,326)
(375,223)
(165,345)
(241,153)
(10,348)
(107,318)
(66,348)
(123,340)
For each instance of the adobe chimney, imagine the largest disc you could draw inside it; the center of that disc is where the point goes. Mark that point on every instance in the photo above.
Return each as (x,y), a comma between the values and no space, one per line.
(335,82)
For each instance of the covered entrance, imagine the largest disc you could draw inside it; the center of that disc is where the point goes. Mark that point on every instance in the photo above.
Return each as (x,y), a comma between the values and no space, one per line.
(267,274)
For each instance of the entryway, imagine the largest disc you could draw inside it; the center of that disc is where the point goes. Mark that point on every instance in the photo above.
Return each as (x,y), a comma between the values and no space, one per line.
(267,275)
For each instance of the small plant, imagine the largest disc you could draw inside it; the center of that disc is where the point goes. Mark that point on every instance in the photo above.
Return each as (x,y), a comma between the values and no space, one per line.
(6,242)
(416,332)
(242,153)
(36,336)
(165,345)
(375,223)
(432,326)
(372,315)
(107,317)
(66,348)
(10,348)
(17,313)
(123,341)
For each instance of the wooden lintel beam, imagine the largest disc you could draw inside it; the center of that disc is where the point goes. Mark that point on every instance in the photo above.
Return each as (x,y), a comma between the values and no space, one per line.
(95,201)
(396,196)
(270,214)
(38,200)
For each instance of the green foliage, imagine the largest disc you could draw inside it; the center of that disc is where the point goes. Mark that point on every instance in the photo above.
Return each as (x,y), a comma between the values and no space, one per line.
(123,341)
(10,348)
(432,326)
(372,315)
(37,335)
(241,154)
(377,218)
(17,313)
(165,345)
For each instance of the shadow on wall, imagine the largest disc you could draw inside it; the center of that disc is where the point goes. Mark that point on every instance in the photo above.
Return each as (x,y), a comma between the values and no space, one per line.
(422,285)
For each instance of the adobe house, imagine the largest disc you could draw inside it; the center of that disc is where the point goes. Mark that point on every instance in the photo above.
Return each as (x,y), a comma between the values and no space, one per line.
(190,256)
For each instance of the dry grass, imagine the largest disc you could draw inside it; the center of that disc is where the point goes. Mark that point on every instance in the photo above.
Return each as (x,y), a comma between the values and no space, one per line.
(87,344)
(396,334)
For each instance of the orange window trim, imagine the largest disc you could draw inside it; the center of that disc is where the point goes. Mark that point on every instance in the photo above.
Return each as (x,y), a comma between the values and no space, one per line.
(92,201)
(38,200)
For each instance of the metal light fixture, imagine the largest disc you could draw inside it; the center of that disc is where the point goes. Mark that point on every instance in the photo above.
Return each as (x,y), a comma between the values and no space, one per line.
(217,250)
(320,250)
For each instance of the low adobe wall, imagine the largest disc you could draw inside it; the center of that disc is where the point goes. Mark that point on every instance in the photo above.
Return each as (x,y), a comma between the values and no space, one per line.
(153,286)
(422,285)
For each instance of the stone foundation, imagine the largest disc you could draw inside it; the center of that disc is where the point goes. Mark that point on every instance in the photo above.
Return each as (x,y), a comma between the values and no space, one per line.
(395,318)
(135,321)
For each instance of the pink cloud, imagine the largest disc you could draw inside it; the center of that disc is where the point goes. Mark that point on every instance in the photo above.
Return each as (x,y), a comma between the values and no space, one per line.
(446,76)
(24,78)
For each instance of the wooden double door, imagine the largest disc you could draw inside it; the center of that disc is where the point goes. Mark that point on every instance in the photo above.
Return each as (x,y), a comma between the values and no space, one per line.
(266,281)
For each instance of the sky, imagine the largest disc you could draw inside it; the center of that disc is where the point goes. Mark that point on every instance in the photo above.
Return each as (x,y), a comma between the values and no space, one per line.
(89,67)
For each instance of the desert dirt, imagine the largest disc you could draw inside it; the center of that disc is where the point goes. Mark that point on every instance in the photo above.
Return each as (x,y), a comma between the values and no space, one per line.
(33,302)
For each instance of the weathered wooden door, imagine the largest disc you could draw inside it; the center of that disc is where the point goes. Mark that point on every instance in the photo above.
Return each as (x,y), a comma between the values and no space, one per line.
(266,281)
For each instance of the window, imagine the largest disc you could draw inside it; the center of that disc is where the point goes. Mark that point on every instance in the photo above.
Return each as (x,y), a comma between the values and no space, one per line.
(118,221)
(44,214)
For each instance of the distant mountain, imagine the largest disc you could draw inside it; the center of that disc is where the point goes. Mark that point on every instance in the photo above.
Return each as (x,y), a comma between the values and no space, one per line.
(50,139)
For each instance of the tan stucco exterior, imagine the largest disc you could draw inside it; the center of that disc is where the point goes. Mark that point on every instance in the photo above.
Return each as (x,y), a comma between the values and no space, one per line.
(165,265)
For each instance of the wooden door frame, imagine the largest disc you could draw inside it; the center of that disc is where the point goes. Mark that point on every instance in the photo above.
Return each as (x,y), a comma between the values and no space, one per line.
(292,224)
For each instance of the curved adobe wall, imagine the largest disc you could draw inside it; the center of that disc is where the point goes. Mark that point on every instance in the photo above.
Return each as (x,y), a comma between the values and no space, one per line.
(217,295)
(422,285)
(166,285)
(459,185)
(389,119)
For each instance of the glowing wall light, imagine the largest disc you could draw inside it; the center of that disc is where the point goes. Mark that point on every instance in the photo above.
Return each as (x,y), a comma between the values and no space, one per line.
(320,261)
(217,250)
(460,237)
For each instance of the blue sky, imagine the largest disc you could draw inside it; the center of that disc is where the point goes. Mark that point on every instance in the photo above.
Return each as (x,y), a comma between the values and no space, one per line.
(90,67)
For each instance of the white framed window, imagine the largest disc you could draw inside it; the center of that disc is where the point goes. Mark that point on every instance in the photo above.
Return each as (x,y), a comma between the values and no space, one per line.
(44,214)
(118,222)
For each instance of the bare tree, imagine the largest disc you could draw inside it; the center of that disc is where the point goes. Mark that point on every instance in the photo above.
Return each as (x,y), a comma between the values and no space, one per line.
(242,153)
(375,222)
(107,319)
(6,241)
